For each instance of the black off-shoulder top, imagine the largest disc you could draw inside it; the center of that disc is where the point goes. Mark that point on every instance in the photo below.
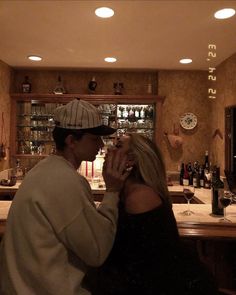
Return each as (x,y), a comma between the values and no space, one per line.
(148,258)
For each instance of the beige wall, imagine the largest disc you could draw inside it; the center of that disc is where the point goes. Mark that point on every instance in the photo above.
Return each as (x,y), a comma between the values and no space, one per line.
(226,96)
(5,78)
(185,91)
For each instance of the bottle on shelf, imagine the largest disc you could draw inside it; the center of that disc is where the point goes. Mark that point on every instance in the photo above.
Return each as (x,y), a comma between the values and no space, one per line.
(186,176)
(26,85)
(92,85)
(217,190)
(59,89)
(118,88)
(181,174)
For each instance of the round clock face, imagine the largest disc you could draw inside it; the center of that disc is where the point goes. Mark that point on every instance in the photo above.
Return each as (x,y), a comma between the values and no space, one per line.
(188,121)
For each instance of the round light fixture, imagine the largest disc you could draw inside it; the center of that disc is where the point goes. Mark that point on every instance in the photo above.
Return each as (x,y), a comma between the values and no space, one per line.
(224,13)
(104,12)
(35,57)
(185,61)
(110,59)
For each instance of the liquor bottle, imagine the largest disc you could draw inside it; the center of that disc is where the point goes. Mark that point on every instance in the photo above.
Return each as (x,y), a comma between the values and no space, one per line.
(190,173)
(59,89)
(217,189)
(26,86)
(181,174)
(186,176)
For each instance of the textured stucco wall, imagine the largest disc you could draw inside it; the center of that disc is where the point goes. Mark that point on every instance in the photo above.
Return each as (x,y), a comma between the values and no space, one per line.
(185,91)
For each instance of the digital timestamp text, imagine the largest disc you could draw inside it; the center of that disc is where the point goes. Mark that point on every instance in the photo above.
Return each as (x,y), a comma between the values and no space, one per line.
(211,71)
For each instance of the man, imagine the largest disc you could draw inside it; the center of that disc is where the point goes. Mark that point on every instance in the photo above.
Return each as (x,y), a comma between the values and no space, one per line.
(53,229)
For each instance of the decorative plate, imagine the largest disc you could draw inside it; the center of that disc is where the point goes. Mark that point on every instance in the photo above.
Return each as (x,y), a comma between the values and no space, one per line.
(188,121)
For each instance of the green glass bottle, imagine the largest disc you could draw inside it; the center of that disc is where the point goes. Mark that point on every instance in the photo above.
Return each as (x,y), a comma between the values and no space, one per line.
(217,189)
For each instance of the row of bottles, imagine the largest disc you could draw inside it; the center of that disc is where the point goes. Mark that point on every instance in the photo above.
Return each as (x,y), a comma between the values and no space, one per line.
(196,175)
(206,177)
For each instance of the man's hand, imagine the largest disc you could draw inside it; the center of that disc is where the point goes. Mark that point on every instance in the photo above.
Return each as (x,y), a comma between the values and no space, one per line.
(114,170)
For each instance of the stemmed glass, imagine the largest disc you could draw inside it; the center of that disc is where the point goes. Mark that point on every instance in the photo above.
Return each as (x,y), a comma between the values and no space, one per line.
(225,200)
(188,194)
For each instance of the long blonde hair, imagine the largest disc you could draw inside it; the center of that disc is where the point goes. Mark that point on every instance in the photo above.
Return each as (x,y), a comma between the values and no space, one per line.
(149,166)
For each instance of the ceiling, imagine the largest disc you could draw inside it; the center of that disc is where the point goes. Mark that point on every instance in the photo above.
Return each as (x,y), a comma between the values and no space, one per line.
(141,35)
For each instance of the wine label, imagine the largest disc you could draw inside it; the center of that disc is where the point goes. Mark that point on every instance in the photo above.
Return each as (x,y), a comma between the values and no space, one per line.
(185,181)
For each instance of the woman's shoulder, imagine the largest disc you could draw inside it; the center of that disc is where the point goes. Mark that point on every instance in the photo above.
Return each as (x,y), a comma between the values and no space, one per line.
(141,198)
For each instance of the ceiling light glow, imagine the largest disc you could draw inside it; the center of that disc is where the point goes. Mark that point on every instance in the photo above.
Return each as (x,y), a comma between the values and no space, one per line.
(110,59)
(104,12)
(224,13)
(35,57)
(185,61)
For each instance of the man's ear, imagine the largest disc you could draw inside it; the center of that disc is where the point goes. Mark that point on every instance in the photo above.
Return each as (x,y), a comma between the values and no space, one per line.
(70,140)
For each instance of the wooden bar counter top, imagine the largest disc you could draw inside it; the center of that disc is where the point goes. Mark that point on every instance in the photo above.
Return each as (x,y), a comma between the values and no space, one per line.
(201,224)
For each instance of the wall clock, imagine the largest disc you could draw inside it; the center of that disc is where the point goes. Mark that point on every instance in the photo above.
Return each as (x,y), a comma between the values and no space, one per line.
(188,121)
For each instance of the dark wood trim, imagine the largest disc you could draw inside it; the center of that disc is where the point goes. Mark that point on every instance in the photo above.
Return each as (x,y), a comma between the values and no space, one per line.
(209,231)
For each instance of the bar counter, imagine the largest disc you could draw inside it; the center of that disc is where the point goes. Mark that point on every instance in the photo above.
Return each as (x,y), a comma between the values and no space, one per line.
(201,224)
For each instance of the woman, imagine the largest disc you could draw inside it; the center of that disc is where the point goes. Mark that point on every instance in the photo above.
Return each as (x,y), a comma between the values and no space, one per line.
(147,257)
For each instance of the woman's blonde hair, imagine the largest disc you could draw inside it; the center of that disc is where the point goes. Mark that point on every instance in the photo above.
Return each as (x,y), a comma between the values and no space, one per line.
(149,166)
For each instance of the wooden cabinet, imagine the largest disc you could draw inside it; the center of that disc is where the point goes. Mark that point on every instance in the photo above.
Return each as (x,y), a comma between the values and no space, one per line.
(32,119)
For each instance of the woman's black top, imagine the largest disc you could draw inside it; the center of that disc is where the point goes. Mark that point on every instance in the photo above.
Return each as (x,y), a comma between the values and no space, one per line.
(147,258)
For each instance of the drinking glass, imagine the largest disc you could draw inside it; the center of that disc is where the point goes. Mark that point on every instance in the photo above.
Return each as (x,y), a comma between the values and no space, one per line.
(225,201)
(188,194)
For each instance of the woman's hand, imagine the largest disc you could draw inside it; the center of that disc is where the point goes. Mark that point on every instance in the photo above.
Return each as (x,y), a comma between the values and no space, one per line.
(114,170)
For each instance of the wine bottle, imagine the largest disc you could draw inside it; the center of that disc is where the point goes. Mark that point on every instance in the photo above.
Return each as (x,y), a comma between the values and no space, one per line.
(206,164)
(190,173)
(207,179)
(181,174)
(196,175)
(186,176)
(217,190)
(26,86)
(202,177)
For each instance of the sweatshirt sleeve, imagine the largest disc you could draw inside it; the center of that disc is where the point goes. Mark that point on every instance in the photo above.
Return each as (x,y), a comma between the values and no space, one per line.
(90,234)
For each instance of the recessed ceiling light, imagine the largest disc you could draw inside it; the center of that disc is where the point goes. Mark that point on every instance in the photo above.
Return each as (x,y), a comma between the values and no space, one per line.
(185,61)
(224,13)
(110,59)
(104,12)
(34,57)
